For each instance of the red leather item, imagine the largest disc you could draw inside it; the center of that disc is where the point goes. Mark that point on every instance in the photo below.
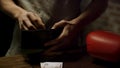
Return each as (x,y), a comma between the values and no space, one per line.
(103,45)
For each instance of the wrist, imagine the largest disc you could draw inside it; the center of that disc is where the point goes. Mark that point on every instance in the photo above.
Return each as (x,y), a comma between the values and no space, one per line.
(12,10)
(16,12)
(74,21)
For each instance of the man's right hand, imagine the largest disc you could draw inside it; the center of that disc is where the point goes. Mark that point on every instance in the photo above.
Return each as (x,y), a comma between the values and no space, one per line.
(29,21)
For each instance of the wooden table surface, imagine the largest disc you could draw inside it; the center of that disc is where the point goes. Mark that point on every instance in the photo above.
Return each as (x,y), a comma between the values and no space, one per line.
(18,61)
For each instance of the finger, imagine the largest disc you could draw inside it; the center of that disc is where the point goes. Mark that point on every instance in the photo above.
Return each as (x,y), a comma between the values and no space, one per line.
(21,25)
(55,47)
(52,42)
(59,24)
(61,46)
(55,41)
(40,22)
(24,27)
(52,52)
(33,19)
(28,24)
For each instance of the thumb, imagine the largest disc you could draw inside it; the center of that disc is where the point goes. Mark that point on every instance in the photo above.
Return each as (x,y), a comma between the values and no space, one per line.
(54,27)
(59,24)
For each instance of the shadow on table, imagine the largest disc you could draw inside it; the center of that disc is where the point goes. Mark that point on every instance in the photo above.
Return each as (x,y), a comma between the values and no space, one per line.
(106,64)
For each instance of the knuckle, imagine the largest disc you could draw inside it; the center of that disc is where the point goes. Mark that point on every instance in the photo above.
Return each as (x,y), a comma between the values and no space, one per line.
(29,13)
(30,26)
(16,17)
(25,19)
(35,20)
(56,24)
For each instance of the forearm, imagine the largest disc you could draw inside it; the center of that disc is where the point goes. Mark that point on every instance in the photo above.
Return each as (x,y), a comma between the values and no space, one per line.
(10,8)
(95,9)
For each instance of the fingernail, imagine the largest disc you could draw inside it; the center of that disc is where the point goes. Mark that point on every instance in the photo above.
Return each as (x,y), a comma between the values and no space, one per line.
(52,28)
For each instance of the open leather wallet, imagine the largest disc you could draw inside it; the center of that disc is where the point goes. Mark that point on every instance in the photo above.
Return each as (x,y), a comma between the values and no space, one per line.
(33,45)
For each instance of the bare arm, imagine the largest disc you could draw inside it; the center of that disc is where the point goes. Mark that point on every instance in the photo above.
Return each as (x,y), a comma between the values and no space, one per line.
(10,8)
(27,20)
(92,12)
(73,27)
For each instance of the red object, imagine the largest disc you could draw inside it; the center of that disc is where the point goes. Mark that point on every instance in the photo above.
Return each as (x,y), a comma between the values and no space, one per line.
(104,45)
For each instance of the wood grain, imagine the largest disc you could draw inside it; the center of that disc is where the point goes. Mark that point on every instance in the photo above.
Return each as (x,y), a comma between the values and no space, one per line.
(18,61)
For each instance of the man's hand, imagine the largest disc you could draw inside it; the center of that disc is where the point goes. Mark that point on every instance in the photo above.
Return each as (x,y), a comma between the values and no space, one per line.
(29,21)
(66,40)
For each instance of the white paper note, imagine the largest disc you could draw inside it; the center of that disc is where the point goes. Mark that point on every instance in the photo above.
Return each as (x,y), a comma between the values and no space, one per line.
(51,64)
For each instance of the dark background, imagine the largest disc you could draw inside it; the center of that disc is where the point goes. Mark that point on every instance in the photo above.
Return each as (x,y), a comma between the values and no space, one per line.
(6,29)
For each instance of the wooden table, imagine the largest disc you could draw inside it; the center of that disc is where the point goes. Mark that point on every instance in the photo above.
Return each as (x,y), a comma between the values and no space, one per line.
(18,61)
